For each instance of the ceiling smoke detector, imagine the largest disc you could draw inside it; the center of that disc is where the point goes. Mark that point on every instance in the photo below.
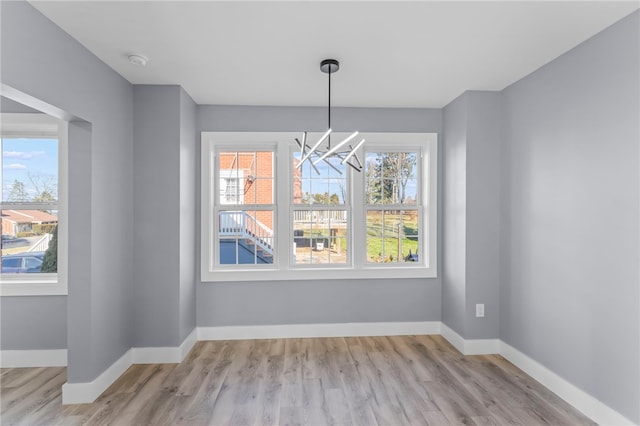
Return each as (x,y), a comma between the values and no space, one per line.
(139,60)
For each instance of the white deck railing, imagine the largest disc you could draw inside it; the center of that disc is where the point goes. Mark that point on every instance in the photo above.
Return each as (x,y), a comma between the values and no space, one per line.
(241,224)
(42,244)
(322,216)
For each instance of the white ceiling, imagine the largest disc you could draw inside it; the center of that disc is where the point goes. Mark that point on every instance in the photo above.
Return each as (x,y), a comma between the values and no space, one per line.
(392,54)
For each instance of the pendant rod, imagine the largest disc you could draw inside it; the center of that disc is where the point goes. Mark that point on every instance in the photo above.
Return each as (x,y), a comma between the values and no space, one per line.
(329,66)
(329,110)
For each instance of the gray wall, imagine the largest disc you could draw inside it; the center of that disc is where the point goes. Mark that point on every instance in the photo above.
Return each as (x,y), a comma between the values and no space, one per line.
(188,214)
(41,60)
(156,236)
(164,215)
(471,220)
(454,217)
(570,241)
(322,301)
(483,214)
(34,322)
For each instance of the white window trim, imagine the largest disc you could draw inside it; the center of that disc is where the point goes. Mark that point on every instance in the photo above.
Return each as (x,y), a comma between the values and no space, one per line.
(422,198)
(348,265)
(216,208)
(283,268)
(41,126)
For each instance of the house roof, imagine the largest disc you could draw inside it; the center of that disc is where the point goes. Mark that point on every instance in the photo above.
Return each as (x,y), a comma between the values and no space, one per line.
(28,216)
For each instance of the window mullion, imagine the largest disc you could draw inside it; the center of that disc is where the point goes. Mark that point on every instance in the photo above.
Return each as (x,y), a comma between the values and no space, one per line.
(358,220)
(283,186)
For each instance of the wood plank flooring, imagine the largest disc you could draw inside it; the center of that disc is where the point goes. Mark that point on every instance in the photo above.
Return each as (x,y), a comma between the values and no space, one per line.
(407,380)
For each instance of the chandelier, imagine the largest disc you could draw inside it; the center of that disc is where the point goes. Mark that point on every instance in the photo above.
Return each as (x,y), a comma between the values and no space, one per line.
(343,151)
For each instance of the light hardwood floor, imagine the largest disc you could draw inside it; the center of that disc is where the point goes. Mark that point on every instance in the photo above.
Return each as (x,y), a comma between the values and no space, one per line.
(410,380)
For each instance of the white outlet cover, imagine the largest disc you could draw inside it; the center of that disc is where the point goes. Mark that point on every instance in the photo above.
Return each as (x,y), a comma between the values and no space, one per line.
(480,310)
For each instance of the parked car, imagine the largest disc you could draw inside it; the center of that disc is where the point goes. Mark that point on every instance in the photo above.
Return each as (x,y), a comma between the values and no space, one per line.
(22,262)
(9,241)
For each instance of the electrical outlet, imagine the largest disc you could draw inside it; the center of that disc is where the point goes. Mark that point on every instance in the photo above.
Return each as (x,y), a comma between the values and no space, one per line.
(480,310)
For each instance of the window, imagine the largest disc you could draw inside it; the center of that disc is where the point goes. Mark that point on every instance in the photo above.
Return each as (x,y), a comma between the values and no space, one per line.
(320,212)
(272,219)
(393,209)
(245,209)
(32,205)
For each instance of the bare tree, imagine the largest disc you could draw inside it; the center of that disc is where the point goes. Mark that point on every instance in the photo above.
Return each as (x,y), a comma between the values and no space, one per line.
(388,176)
(45,188)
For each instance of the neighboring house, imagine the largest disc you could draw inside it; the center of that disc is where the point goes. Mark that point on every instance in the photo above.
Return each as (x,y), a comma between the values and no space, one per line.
(297,182)
(246,178)
(15,222)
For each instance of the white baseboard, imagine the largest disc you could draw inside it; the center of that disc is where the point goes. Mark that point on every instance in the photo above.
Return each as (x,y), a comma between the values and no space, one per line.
(78,393)
(165,355)
(582,401)
(318,330)
(33,358)
(155,355)
(481,346)
(452,337)
(470,346)
(188,343)
(84,393)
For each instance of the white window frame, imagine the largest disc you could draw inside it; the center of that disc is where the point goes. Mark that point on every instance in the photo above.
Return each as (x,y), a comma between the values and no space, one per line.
(40,126)
(218,206)
(389,146)
(293,148)
(283,267)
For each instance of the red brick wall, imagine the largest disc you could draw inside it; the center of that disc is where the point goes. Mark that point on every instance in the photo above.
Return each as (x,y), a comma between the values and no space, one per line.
(297,183)
(258,174)
(257,171)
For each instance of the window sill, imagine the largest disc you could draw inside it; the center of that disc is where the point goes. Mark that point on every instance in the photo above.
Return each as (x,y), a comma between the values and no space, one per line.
(36,286)
(349,273)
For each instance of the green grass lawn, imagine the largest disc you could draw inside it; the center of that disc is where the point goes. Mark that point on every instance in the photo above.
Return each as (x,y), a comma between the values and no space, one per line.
(385,232)
(382,235)
(386,249)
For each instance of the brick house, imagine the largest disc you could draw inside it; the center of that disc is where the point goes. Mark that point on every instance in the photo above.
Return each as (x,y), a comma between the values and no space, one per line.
(247,178)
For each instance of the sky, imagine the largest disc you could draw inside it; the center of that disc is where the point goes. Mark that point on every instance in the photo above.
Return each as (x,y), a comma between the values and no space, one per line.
(22,158)
(330,181)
